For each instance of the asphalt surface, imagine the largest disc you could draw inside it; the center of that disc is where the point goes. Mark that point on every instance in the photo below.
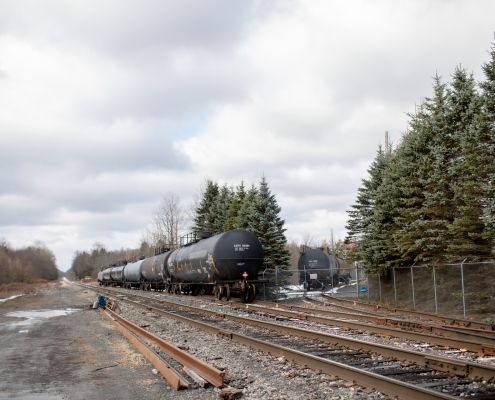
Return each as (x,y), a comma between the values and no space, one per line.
(54,346)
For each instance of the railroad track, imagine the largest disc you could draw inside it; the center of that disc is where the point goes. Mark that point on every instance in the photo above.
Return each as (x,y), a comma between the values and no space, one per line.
(376,309)
(403,373)
(435,335)
(474,339)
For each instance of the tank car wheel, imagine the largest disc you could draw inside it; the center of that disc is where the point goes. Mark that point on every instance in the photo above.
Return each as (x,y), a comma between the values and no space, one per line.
(227,292)
(218,292)
(251,293)
(195,290)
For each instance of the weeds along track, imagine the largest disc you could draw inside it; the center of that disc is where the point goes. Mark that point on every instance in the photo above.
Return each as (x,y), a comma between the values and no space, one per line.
(388,368)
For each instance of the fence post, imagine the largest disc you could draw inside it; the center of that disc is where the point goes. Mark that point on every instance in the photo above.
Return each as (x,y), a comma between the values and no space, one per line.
(264,286)
(368,279)
(305,285)
(412,285)
(331,276)
(463,294)
(380,287)
(276,281)
(395,288)
(357,280)
(435,289)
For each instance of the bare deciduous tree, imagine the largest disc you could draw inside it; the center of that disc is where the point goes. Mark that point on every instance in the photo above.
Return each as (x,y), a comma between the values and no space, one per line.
(308,240)
(168,223)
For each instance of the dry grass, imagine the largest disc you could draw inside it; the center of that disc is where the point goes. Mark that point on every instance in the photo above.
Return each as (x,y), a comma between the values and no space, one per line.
(12,289)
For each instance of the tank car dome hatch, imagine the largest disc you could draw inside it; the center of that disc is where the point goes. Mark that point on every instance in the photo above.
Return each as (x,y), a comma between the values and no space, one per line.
(205,235)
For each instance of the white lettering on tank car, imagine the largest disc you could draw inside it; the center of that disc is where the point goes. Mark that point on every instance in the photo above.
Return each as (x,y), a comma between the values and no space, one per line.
(241,247)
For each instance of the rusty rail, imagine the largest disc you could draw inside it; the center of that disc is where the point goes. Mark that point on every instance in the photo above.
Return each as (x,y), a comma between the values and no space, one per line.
(436,317)
(171,375)
(469,345)
(363,378)
(206,371)
(474,345)
(481,336)
(474,370)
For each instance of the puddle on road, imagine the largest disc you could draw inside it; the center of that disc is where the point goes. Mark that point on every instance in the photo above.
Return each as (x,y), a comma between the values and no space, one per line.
(31,317)
(40,314)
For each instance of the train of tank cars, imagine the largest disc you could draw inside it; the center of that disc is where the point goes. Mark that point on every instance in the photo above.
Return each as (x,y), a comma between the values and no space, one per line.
(223,265)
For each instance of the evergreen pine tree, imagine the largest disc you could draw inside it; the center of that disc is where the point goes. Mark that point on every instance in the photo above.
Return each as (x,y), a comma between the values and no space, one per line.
(484,128)
(244,214)
(265,223)
(361,217)
(219,211)
(428,213)
(468,230)
(204,218)
(366,220)
(235,206)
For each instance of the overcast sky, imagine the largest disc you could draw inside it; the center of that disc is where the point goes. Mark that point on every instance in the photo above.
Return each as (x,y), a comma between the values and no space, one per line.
(106,106)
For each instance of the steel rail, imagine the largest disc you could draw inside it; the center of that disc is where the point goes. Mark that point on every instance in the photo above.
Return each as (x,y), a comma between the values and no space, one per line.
(484,337)
(458,343)
(463,368)
(442,321)
(378,329)
(206,371)
(437,317)
(171,375)
(360,377)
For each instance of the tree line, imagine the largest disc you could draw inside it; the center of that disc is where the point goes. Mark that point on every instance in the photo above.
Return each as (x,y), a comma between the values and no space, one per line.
(89,263)
(431,199)
(27,264)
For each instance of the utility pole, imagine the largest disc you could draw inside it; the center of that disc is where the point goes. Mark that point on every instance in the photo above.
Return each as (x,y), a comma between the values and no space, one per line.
(387,141)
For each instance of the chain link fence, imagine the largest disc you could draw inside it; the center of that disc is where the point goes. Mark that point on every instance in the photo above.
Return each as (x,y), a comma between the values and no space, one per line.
(466,288)
(294,282)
